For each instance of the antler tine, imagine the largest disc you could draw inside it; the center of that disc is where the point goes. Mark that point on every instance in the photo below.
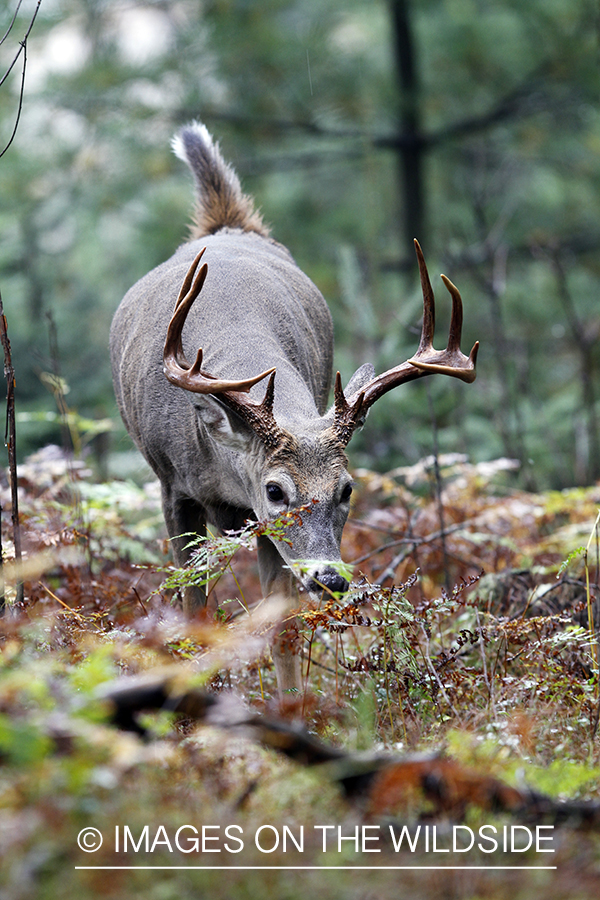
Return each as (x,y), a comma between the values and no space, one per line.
(341,403)
(266,405)
(351,411)
(187,296)
(175,365)
(187,281)
(451,361)
(428,327)
(456,325)
(456,319)
(347,415)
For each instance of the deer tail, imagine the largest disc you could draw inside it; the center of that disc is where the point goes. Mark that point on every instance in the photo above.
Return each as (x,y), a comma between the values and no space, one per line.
(220,201)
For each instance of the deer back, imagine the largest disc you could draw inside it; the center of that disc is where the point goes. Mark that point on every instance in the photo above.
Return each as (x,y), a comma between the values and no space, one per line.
(257,310)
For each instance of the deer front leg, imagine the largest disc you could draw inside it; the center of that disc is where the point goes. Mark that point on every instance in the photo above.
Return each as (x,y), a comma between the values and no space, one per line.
(276,581)
(184,516)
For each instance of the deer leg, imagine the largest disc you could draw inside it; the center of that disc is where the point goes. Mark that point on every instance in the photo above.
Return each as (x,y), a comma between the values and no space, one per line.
(276,581)
(184,516)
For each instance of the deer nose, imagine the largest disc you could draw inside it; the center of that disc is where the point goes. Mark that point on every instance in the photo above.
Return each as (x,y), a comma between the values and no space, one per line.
(330,581)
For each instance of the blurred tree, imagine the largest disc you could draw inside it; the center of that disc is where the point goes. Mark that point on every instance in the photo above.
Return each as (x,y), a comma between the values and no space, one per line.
(472,124)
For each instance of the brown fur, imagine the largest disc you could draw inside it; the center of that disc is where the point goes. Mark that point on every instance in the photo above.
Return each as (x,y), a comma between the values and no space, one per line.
(225,210)
(220,201)
(315,466)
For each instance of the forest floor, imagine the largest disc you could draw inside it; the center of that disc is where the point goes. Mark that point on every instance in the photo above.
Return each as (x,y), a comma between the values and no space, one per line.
(465,636)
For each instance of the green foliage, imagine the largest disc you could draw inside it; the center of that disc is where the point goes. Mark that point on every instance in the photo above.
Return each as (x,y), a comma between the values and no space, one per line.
(86,428)
(22,744)
(503,679)
(97,667)
(211,555)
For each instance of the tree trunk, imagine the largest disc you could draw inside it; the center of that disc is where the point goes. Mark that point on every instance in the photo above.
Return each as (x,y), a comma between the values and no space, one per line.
(411,146)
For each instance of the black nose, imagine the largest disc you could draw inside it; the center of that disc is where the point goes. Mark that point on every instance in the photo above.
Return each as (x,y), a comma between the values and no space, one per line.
(330,581)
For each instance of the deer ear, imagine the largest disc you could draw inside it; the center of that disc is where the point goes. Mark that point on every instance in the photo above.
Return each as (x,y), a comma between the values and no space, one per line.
(223,424)
(361,377)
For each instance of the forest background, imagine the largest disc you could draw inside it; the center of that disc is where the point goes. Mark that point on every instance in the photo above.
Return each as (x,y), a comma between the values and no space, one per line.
(472,125)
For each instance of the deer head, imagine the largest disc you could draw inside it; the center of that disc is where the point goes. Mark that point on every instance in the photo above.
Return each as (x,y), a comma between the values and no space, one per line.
(310,466)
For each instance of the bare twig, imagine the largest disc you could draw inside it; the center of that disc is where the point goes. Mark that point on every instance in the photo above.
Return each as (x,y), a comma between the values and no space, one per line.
(433,671)
(21,51)
(12,22)
(438,488)
(10,441)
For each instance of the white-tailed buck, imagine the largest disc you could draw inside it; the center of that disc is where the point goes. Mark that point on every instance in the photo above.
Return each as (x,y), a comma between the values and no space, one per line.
(224,447)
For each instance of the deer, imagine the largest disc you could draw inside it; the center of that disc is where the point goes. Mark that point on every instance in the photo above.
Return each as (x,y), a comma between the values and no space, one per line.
(245,432)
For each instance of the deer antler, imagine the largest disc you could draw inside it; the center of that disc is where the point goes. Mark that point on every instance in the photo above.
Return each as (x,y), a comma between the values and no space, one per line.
(175,365)
(350,411)
(258,416)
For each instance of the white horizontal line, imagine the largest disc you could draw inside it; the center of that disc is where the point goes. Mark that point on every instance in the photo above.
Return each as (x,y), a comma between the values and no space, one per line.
(299,868)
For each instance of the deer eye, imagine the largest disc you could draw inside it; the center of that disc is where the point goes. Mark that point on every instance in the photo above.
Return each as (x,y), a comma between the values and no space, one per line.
(346,493)
(274,492)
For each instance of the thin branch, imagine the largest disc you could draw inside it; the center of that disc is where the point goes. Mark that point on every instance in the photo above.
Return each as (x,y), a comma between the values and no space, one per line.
(22,50)
(434,672)
(438,487)
(22,42)
(20,107)
(413,543)
(10,440)
(12,22)
(516,103)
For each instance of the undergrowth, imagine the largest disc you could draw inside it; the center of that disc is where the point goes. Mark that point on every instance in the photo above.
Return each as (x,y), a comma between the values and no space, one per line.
(473,638)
